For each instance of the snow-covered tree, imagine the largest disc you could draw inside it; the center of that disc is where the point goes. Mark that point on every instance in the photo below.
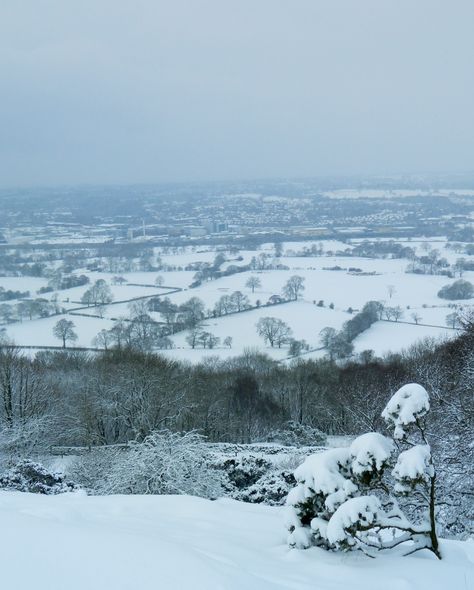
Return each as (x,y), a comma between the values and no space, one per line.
(348,498)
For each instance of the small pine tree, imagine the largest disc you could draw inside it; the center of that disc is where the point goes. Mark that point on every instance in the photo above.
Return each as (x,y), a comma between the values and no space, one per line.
(344,499)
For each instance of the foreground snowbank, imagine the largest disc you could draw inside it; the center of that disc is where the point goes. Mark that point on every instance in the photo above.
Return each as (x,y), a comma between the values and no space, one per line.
(178,542)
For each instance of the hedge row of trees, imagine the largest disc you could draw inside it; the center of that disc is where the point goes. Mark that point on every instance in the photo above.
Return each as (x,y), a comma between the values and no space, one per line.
(339,344)
(29,309)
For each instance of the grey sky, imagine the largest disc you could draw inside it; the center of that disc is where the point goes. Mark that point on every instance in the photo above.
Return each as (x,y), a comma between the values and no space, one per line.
(146,90)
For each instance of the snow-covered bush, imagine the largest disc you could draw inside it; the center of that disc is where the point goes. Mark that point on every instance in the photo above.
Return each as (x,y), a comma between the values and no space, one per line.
(28,476)
(296,434)
(259,472)
(348,498)
(25,438)
(256,473)
(164,463)
(242,472)
(271,488)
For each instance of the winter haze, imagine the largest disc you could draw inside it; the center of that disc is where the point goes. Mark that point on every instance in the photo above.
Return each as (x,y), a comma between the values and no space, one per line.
(116,91)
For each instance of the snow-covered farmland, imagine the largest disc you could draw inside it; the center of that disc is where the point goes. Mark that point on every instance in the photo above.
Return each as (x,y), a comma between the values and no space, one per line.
(31,284)
(415,294)
(40,332)
(305,319)
(381,279)
(384,337)
(76,541)
(351,290)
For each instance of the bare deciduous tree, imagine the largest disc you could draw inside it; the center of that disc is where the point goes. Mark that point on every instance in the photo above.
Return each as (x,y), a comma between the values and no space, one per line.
(64,330)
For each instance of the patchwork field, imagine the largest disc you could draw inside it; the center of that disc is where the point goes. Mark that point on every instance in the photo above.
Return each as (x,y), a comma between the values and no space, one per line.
(331,296)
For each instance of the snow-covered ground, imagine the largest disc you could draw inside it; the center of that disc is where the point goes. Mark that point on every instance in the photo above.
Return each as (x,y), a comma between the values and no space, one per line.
(414,294)
(305,319)
(180,542)
(71,298)
(39,332)
(385,337)
(22,284)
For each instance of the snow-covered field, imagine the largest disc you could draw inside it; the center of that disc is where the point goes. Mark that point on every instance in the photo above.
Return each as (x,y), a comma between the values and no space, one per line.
(31,284)
(40,332)
(385,337)
(180,542)
(414,294)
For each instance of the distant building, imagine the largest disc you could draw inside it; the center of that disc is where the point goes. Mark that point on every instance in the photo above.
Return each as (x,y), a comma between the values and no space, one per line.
(215,227)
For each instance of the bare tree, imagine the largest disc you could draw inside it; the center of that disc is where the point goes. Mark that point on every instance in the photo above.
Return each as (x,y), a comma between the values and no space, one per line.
(393,313)
(240,301)
(453,320)
(293,287)
(253,283)
(64,330)
(193,337)
(397,313)
(102,339)
(6,312)
(118,333)
(192,312)
(98,294)
(327,337)
(224,305)
(273,330)
(416,317)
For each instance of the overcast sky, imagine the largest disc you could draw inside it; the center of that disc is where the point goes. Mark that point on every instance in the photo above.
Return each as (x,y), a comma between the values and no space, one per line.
(118,91)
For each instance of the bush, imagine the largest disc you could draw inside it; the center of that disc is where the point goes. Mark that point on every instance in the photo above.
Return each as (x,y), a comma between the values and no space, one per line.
(295,434)
(28,476)
(242,472)
(164,463)
(272,489)
(460,289)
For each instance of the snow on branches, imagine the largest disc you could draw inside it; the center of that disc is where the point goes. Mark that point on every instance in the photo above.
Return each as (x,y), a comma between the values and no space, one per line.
(413,466)
(350,517)
(406,406)
(346,498)
(370,453)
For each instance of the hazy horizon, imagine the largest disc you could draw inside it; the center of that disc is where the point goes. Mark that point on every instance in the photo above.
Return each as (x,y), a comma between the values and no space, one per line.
(148,92)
